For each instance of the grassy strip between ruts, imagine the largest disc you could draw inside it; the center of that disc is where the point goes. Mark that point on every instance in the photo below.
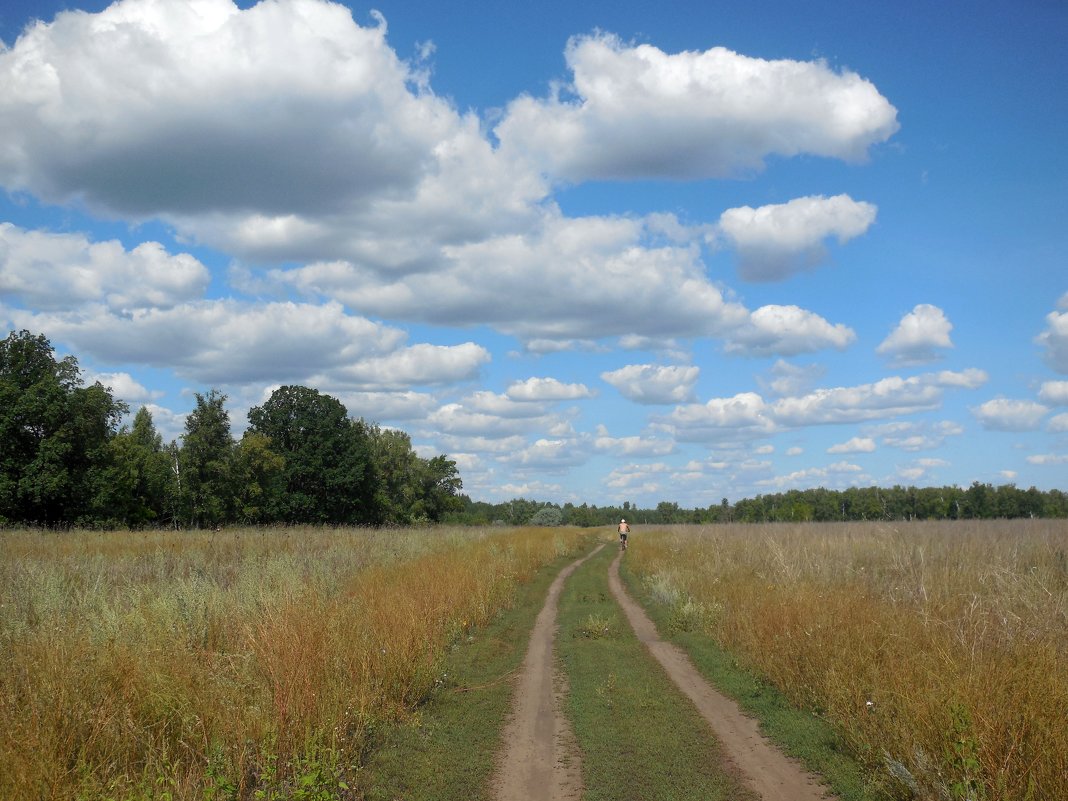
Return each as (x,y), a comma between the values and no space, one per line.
(798,733)
(448,750)
(640,738)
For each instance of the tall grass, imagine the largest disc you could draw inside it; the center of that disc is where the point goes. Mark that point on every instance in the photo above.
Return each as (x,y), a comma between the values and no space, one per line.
(242,664)
(940,650)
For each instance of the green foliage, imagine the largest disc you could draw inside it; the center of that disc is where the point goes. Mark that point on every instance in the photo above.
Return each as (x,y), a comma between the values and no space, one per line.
(327,474)
(54,434)
(547,516)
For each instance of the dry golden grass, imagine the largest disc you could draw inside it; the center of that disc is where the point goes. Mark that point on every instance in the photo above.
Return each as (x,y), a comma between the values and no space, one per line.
(230,665)
(939,649)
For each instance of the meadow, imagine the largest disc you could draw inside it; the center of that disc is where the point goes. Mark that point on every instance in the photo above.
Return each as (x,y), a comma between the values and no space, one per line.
(247,663)
(939,651)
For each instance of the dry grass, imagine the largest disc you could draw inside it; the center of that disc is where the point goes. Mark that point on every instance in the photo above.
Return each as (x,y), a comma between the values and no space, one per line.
(230,665)
(939,649)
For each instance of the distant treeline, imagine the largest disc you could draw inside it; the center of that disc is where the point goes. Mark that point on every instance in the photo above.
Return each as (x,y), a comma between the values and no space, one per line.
(65,460)
(979,501)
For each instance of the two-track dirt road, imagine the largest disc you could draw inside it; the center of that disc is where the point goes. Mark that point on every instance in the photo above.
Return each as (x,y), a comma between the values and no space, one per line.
(541,761)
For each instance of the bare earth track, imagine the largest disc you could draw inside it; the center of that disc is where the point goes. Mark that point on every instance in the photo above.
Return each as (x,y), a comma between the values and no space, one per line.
(540,760)
(767,770)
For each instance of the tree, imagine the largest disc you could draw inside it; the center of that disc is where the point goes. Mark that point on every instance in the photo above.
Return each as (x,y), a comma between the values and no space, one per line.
(138,483)
(54,434)
(328,471)
(206,463)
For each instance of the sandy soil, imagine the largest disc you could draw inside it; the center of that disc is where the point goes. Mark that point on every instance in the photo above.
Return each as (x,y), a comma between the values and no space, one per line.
(540,759)
(764,768)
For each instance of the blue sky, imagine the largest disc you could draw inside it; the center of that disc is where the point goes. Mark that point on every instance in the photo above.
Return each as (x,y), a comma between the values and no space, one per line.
(594,252)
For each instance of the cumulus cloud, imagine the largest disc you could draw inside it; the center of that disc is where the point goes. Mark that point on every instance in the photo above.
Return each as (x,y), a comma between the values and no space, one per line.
(281,131)
(1048,459)
(638,112)
(1004,414)
(631,446)
(546,389)
(916,436)
(56,271)
(123,386)
(1055,338)
(918,337)
(791,379)
(563,280)
(550,454)
(1054,393)
(855,445)
(222,341)
(775,241)
(420,364)
(787,331)
(392,406)
(748,415)
(1058,423)
(839,474)
(652,384)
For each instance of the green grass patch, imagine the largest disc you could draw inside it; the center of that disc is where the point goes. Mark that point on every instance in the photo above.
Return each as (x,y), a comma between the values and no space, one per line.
(798,733)
(640,738)
(447,750)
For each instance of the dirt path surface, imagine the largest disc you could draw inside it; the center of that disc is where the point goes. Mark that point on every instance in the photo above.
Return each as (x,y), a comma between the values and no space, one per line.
(767,771)
(540,759)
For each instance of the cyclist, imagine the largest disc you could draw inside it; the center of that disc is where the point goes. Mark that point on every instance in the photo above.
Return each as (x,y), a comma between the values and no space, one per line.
(623,530)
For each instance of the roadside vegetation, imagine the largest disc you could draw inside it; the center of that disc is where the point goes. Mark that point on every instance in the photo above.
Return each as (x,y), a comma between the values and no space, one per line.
(937,651)
(249,663)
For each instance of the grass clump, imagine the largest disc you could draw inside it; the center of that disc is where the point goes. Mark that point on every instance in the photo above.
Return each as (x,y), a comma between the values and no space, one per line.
(245,664)
(640,738)
(936,650)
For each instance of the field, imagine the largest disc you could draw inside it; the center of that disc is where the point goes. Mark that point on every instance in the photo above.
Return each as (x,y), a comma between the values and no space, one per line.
(939,651)
(320,664)
(251,663)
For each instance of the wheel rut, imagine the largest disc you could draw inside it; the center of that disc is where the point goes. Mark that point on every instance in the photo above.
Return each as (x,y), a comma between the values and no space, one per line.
(540,760)
(769,772)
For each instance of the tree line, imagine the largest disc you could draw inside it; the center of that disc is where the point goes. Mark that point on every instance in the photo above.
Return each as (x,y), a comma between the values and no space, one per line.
(979,501)
(66,459)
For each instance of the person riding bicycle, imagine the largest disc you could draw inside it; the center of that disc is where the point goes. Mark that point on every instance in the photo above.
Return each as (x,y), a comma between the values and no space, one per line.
(623,530)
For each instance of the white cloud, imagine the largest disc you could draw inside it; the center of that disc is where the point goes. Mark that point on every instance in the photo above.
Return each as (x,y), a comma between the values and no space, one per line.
(1054,393)
(1055,338)
(57,271)
(1048,459)
(839,474)
(916,436)
(638,112)
(123,386)
(763,450)
(1008,475)
(546,389)
(421,364)
(1004,414)
(222,341)
(794,451)
(503,405)
(1058,423)
(562,280)
(394,406)
(459,420)
(855,445)
(748,415)
(631,446)
(550,454)
(743,415)
(791,379)
(918,337)
(284,131)
(652,384)
(777,240)
(787,331)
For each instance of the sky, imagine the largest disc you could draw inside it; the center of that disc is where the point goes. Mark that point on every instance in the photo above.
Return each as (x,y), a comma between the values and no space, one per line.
(596,252)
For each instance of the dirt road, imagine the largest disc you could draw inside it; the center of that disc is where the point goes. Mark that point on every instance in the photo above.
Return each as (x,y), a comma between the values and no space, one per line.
(767,771)
(541,759)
